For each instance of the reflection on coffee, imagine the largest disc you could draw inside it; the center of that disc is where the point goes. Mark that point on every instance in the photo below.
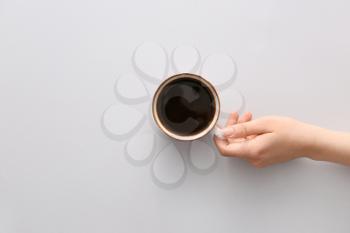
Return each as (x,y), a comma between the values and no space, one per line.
(185,106)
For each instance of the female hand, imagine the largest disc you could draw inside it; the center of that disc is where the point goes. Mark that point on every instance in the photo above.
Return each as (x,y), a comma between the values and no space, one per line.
(271,140)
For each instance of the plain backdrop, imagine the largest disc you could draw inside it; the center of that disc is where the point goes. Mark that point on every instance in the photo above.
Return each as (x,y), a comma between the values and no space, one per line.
(58,64)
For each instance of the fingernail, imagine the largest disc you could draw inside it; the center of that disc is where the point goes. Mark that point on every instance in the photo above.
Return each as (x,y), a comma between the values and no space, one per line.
(228,131)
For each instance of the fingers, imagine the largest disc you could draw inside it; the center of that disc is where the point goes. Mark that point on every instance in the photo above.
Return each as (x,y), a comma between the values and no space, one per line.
(223,146)
(233,118)
(236,144)
(246,129)
(220,143)
(246,117)
(237,149)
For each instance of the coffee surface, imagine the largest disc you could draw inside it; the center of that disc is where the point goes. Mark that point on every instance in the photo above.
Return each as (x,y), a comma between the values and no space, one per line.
(186,106)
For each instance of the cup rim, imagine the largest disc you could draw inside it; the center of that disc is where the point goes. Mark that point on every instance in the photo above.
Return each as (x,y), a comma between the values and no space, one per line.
(212,90)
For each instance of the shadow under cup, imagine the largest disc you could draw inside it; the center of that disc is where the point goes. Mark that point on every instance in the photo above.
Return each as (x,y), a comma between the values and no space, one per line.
(185,106)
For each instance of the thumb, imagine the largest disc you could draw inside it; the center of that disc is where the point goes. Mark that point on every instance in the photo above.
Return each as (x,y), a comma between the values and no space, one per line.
(242,130)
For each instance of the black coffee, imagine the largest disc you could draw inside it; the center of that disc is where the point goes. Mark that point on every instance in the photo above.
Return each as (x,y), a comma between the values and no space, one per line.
(186,106)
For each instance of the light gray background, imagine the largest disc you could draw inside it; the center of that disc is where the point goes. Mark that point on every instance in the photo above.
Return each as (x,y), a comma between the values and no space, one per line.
(58,64)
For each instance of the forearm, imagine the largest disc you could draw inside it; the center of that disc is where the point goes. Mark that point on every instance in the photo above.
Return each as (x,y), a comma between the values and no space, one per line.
(327,145)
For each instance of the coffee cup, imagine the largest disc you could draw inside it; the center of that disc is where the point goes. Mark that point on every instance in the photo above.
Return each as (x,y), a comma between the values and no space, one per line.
(186,106)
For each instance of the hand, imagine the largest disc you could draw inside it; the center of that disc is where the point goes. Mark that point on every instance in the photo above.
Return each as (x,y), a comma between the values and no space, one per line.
(267,140)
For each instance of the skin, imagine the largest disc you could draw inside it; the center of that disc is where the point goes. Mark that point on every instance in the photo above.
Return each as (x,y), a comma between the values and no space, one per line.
(273,139)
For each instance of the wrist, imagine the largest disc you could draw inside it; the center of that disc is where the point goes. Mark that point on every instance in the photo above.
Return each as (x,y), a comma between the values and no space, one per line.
(315,142)
(319,144)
